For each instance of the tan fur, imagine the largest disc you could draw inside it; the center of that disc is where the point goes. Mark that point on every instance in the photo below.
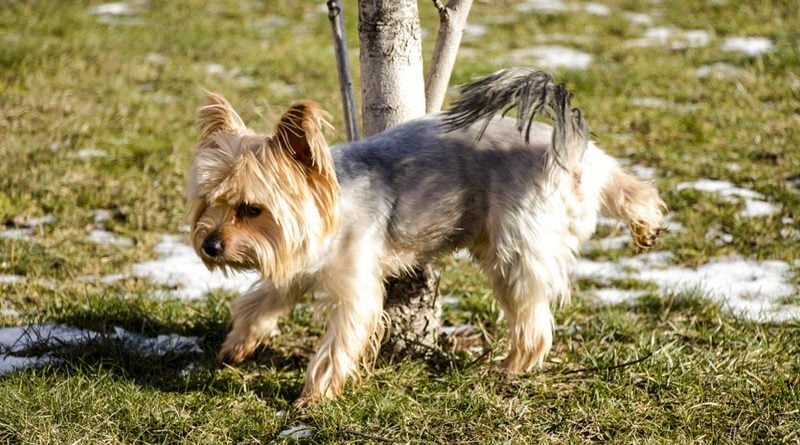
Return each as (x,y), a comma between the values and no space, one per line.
(289,174)
(637,202)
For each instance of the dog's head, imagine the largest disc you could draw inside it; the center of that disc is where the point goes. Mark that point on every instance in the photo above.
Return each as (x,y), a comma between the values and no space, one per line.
(261,202)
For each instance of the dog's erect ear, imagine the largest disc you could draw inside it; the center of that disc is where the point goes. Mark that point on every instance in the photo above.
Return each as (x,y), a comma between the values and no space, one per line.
(300,131)
(217,116)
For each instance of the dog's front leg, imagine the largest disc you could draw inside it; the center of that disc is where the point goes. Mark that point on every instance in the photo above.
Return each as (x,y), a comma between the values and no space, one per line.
(255,317)
(352,334)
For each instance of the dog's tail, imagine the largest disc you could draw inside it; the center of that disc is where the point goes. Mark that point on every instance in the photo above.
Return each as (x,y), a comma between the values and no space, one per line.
(533,93)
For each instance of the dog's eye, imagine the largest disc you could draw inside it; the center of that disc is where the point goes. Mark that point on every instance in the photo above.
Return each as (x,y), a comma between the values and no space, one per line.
(248,211)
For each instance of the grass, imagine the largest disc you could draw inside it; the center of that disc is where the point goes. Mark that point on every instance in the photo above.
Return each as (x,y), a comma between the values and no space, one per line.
(672,368)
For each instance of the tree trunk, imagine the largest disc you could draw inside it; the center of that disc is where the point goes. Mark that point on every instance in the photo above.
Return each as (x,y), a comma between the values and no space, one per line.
(393,91)
(392,85)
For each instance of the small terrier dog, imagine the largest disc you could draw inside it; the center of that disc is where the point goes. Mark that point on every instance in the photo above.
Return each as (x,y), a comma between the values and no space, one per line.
(338,222)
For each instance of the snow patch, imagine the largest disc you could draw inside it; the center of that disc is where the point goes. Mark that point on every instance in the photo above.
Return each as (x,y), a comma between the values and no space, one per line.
(15,343)
(637,18)
(596,8)
(643,172)
(542,6)
(462,329)
(216,69)
(299,432)
(610,243)
(720,70)
(117,8)
(283,88)
(550,57)
(449,300)
(159,346)
(268,24)
(103,237)
(474,31)
(89,153)
(755,203)
(733,167)
(749,289)
(17,234)
(794,184)
(40,221)
(719,237)
(671,38)
(560,38)
(462,254)
(11,279)
(156,59)
(9,313)
(179,267)
(754,209)
(656,102)
(22,229)
(749,46)
(612,295)
(101,216)
(560,6)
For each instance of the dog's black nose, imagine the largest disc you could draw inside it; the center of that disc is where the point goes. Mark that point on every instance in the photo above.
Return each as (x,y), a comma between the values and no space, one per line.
(213,246)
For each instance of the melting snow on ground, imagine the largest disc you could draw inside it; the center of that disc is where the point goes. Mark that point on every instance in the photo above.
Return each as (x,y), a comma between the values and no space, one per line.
(119,13)
(560,6)
(550,57)
(755,204)
(656,102)
(749,46)
(179,267)
(89,153)
(105,238)
(638,18)
(719,70)
(22,229)
(750,289)
(100,236)
(11,279)
(474,31)
(299,432)
(672,38)
(17,342)
(118,8)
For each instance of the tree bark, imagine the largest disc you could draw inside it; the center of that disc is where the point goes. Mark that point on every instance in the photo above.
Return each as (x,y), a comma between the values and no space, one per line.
(452,20)
(393,91)
(392,85)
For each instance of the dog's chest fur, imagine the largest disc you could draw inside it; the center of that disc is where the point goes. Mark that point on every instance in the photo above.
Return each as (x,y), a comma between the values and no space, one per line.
(414,191)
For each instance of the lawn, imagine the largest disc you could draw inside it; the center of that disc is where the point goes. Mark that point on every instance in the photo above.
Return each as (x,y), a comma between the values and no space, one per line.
(107,337)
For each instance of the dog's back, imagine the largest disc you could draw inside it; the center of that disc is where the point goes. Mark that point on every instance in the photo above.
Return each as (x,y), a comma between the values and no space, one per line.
(434,190)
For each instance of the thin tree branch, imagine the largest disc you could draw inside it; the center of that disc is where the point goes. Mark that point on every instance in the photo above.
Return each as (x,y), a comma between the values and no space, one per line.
(609,368)
(441,8)
(452,20)
(343,66)
(353,432)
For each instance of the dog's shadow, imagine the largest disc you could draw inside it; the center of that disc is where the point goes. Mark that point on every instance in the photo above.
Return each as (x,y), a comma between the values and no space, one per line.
(174,356)
(179,354)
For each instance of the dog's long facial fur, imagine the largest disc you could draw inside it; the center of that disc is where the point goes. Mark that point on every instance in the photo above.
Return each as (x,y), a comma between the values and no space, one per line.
(261,202)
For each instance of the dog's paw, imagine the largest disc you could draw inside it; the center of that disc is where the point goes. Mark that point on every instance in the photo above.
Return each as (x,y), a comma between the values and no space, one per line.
(306,401)
(644,235)
(234,351)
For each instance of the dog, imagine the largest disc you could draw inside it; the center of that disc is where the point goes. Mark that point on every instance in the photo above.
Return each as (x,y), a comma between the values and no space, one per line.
(520,195)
